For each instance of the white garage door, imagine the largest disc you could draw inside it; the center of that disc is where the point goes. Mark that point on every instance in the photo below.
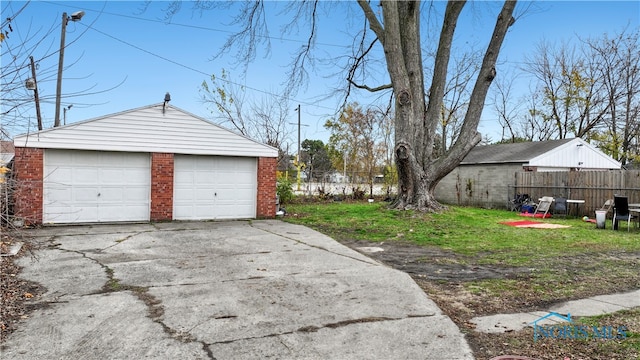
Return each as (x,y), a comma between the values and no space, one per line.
(214,187)
(96,186)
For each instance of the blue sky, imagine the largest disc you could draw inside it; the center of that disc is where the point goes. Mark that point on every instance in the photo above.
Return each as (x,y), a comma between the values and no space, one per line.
(140,56)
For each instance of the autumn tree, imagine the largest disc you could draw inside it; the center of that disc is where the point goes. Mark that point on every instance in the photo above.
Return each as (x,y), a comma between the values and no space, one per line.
(359,134)
(590,90)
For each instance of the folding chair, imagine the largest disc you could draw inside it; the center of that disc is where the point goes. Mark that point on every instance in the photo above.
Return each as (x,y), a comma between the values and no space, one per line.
(543,206)
(607,205)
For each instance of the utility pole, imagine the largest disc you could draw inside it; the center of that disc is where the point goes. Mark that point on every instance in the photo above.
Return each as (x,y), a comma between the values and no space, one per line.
(298,155)
(76,16)
(35,93)
(65,20)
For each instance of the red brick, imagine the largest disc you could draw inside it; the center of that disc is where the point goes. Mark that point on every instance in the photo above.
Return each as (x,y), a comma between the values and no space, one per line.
(28,169)
(161,186)
(266,202)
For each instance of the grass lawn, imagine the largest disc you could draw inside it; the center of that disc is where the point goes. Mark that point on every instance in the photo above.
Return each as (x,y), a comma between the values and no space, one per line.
(553,265)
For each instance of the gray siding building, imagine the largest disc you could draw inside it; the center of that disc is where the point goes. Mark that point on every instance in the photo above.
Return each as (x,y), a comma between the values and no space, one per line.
(484,176)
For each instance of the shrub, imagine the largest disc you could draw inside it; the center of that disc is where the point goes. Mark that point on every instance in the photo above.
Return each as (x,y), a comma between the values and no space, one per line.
(283,189)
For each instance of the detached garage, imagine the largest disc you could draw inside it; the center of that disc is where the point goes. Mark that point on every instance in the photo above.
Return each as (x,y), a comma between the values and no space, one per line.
(148,164)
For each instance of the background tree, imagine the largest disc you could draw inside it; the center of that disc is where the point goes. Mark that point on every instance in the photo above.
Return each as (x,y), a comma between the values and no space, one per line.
(360,134)
(265,119)
(589,91)
(455,102)
(506,108)
(316,159)
(570,97)
(616,64)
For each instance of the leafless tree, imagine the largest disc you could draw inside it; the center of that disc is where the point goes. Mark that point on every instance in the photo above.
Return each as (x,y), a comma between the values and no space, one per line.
(456,96)
(615,62)
(27,50)
(264,119)
(507,108)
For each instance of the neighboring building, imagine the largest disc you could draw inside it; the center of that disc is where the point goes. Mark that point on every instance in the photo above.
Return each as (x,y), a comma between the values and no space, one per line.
(153,163)
(484,176)
(6,155)
(6,152)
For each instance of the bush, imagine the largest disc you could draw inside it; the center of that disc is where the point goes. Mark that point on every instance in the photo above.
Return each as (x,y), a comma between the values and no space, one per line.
(284,191)
(357,193)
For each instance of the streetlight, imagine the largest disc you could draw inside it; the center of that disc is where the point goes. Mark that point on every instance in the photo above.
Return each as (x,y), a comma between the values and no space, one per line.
(76,16)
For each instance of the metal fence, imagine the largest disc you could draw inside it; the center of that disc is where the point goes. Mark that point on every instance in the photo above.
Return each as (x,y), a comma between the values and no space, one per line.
(594,187)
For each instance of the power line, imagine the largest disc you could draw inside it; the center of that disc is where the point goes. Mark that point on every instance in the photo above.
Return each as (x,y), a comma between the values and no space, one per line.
(196,70)
(201,27)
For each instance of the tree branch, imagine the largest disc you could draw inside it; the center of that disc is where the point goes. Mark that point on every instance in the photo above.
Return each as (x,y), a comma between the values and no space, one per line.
(374,24)
(375,89)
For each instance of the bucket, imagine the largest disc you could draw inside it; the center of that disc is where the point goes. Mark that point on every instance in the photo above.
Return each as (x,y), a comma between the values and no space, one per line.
(601,217)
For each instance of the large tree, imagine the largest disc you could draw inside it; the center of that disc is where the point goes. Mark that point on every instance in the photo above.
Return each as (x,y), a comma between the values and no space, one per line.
(418,112)
(397,31)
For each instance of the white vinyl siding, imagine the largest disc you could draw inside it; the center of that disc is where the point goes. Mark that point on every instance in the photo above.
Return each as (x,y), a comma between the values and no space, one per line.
(214,187)
(95,186)
(148,130)
(575,154)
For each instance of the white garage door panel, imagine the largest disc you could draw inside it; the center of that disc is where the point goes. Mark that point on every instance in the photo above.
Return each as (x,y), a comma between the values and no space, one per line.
(214,187)
(93,186)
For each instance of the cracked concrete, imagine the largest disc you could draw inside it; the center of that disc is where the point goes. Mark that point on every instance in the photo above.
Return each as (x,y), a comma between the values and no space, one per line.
(222,290)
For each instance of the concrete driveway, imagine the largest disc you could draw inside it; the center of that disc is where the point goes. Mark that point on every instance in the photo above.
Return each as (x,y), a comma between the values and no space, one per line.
(222,290)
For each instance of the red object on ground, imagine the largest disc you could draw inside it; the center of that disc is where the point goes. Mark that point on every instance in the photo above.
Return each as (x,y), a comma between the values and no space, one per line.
(533,224)
(535,215)
(520,223)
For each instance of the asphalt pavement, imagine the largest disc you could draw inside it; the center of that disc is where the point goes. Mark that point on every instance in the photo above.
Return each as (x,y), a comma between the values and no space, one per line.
(221,290)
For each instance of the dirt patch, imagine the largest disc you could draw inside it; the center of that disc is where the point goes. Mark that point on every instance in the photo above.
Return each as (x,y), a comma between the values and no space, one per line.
(16,294)
(431,262)
(458,285)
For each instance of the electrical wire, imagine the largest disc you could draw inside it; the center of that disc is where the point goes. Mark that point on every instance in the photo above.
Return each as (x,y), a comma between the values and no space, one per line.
(196,70)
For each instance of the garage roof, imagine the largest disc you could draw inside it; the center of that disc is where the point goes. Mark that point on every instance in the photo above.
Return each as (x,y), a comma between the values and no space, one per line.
(571,153)
(148,129)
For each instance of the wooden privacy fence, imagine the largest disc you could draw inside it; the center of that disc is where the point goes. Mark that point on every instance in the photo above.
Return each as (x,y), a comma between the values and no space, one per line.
(594,187)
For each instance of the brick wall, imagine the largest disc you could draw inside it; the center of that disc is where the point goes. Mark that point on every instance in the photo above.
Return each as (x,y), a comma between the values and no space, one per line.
(266,202)
(161,186)
(28,170)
